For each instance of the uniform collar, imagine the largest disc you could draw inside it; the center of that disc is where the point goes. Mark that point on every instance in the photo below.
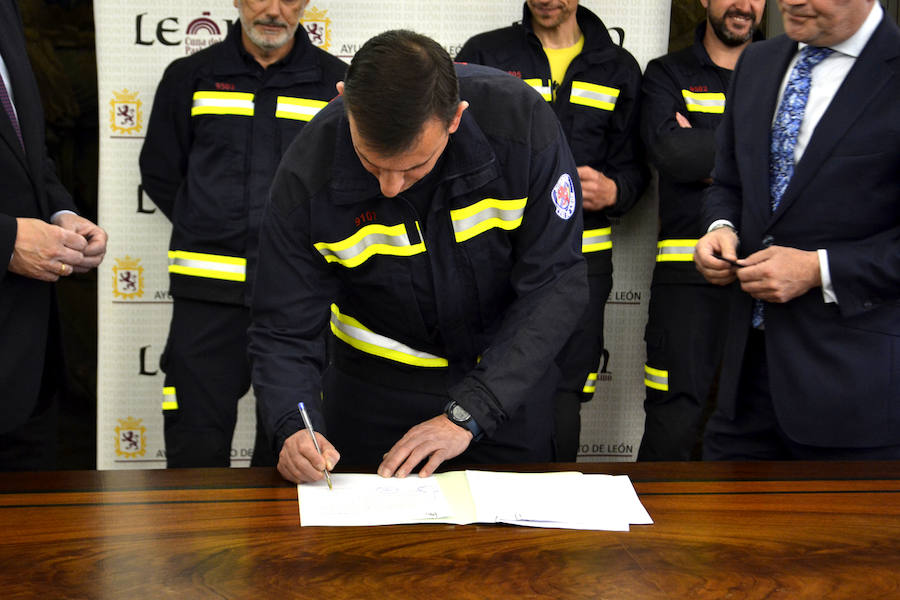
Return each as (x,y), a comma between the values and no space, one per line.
(596,37)
(700,50)
(235,59)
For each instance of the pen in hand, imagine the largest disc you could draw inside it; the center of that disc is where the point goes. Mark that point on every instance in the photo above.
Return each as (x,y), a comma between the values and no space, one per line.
(733,263)
(312,434)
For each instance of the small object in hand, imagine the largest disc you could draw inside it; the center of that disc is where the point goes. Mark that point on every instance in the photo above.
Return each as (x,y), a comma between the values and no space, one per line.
(733,263)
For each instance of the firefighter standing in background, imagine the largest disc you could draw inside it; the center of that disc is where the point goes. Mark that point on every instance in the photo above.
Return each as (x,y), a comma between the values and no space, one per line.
(565,53)
(683,102)
(221,120)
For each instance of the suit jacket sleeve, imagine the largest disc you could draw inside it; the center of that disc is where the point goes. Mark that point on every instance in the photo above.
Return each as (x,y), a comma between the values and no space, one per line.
(724,198)
(16,178)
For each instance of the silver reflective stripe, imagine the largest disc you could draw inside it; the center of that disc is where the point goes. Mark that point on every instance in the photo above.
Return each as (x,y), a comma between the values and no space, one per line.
(367,242)
(213,266)
(541,87)
(222,103)
(590,384)
(595,240)
(362,338)
(706,102)
(656,378)
(487,214)
(170,400)
(299,109)
(675,250)
(593,95)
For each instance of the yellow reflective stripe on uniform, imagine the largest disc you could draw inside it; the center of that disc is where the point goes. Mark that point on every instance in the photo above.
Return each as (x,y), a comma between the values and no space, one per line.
(368,241)
(593,95)
(595,240)
(712,102)
(299,109)
(590,384)
(656,378)
(675,250)
(487,214)
(362,338)
(222,103)
(541,86)
(212,266)
(170,401)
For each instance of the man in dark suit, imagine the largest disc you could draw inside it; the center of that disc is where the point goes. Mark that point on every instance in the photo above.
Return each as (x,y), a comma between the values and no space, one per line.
(44,240)
(807,189)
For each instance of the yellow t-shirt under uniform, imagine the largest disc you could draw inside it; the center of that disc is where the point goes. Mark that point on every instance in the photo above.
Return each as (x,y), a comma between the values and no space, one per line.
(560,59)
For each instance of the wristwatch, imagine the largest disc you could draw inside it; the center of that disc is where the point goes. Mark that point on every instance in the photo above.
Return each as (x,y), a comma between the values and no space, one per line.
(460,416)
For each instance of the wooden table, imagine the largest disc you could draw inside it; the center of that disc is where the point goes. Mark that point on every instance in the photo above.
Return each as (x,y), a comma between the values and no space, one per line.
(741,530)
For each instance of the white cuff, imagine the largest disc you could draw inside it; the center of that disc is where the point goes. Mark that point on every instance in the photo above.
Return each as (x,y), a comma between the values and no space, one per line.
(61,212)
(828,294)
(721,223)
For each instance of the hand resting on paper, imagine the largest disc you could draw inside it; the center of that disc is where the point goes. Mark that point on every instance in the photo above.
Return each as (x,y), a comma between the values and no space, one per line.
(436,439)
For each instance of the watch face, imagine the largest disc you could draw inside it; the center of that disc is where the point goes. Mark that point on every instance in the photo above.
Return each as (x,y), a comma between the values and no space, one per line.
(459,414)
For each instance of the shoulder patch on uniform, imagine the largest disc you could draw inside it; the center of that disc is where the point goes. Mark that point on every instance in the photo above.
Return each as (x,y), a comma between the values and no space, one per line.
(563,196)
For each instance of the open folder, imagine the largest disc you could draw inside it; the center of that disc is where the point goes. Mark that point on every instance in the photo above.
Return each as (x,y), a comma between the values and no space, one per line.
(570,500)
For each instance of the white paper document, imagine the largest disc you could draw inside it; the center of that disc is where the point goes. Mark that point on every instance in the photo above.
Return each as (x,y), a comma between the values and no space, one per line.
(569,500)
(371,500)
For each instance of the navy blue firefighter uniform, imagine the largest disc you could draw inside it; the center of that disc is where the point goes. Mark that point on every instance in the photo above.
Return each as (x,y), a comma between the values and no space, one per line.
(687,314)
(597,105)
(463,287)
(219,126)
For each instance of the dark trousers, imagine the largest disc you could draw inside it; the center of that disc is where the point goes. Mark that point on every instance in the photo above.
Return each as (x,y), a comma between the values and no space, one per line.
(369,404)
(206,362)
(580,357)
(684,338)
(33,445)
(754,433)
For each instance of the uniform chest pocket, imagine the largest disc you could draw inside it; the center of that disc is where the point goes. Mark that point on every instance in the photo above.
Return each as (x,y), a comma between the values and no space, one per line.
(592,107)
(221,126)
(292,113)
(221,138)
(218,170)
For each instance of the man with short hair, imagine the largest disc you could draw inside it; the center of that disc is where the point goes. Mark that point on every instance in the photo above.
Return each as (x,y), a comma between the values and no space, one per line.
(806,188)
(682,105)
(430,215)
(564,51)
(221,120)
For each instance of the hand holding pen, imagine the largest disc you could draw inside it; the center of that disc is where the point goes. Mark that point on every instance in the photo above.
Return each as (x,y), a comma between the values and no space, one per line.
(307,455)
(733,263)
(312,434)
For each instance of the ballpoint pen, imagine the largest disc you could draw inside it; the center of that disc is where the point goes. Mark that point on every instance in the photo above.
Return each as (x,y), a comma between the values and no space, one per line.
(312,434)
(733,263)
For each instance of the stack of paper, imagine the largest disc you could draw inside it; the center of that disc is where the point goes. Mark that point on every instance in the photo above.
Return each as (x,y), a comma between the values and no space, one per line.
(569,500)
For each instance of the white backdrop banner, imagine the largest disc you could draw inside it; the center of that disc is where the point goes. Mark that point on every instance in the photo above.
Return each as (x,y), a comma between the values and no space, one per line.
(137,39)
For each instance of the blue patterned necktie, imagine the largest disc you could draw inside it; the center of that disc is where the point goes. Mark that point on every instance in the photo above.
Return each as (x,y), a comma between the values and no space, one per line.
(10,111)
(787,121)
(785,129)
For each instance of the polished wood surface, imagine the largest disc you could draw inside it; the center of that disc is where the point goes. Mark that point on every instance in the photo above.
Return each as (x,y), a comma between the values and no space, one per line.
(742,531)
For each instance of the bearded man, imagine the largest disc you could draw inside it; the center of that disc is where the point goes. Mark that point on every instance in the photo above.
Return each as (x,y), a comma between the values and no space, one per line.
(221,120)
(683,103)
